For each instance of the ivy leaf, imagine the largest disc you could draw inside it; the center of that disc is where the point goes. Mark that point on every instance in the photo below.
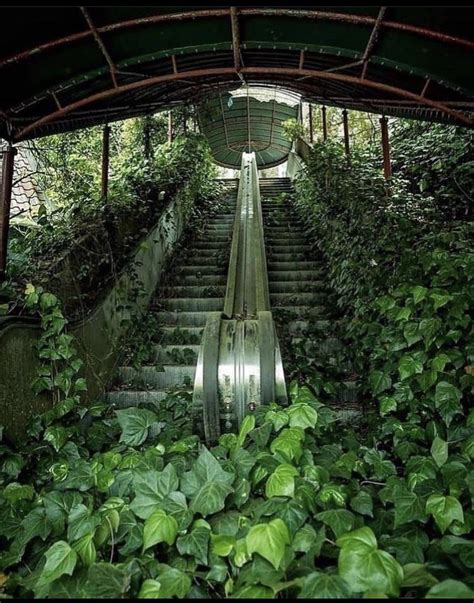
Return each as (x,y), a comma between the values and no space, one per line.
(174,582)
(379,382)
(36,524)
(408,507)
(210,498)
(416,574)
(269,541)
(366,568)
(339,520)
(222,544)
(387,405)
(60,559)
(85,548)
(289,443)
(281,482)
(409,366)
(362,503)
(318,585)
(195,544)
(135,423)
(450,589)
(419,293)
(302,415)
(107,581)
(277,418)
(150,589)
(151,487)
(447,401)
(439,451)
(445,510)
(247,425)
(159,527)
(305,538)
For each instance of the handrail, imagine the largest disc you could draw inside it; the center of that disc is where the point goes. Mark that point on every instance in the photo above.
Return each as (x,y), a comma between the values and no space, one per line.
(239,363)
(247,281)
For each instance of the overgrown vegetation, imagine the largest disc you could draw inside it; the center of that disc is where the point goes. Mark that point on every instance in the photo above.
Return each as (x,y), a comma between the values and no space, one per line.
(403,269)
(86,240)
(128,503)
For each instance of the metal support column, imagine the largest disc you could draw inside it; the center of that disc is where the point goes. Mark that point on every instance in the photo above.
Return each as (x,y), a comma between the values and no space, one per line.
(325,123)
(105,161)
(345,122)
(6,197)
(311,140)
(387,166)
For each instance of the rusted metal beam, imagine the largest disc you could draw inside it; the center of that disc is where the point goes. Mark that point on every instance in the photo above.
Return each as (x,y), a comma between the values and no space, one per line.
(281,12)
(325,123)
(101,45)
(235,36)
(224,121)
(372,40)
(264,71)
(387,166)
(5,200)
(311,123)
(345,123)
(105,161)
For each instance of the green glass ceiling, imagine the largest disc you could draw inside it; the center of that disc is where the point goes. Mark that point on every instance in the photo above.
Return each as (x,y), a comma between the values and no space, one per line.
(247,122)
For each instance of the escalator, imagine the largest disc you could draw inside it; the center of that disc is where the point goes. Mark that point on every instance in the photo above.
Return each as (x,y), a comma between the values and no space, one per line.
(249,281)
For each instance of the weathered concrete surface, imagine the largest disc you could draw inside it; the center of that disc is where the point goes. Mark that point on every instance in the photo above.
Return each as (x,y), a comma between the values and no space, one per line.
(98,336)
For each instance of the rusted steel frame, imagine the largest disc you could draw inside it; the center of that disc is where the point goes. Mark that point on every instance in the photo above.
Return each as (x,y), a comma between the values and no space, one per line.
(310,123)
(387,166)
(101,45)
(223,120)
(5,200)
(425,87)
(173,62)
(372,40)
(272,120)
(105,161)
(219,71)
(346,66)
(311,14)
(235,36)
(345,123)
(325,123)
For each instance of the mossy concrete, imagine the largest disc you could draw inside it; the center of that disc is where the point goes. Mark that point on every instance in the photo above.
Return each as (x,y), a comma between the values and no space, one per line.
(98,337)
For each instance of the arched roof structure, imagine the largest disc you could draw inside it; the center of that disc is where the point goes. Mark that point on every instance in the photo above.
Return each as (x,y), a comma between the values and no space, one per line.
(248,120)
(63,68)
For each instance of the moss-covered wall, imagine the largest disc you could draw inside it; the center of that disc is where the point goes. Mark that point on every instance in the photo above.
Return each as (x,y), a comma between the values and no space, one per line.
(98,337)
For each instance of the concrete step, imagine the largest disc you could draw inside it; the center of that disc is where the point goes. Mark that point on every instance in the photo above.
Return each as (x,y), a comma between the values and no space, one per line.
(192,291)
(182,319)
(197,269)
(204,279)
(296,286)
(214,304)
(292,265)
(298,276)
(172,335)
(151,377)
(128,398)
(176,354)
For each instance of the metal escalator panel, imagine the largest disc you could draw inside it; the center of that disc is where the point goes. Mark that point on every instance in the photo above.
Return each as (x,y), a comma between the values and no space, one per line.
(239,364)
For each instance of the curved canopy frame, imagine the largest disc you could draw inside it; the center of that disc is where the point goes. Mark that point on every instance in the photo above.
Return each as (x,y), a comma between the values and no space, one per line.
(62,68)
(244,123)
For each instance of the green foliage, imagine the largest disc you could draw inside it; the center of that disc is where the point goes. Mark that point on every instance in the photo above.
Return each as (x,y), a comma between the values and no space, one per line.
(293,129)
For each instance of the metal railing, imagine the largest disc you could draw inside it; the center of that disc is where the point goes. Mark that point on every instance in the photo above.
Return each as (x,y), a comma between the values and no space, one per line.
(239,364)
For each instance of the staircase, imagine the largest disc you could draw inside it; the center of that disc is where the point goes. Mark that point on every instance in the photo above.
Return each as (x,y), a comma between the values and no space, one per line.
(193,287)
(302,304)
